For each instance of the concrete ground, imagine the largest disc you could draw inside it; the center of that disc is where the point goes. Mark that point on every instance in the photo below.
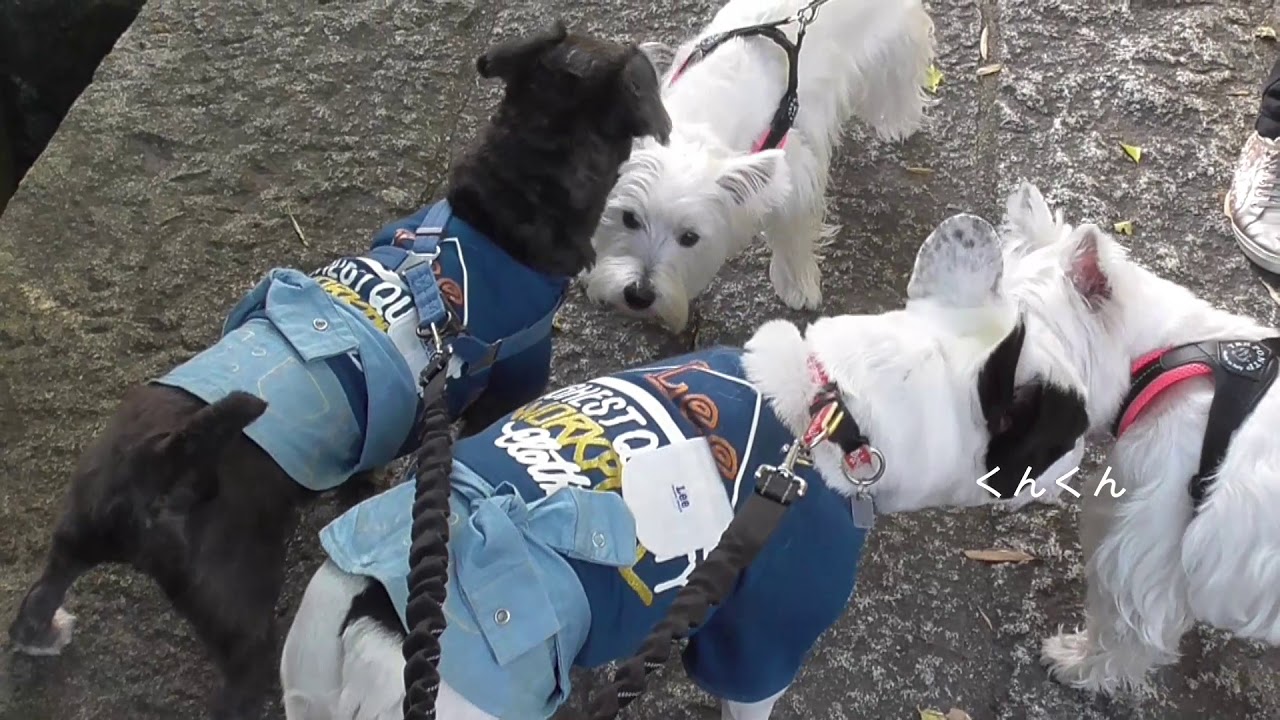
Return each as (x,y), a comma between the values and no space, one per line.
(168,192)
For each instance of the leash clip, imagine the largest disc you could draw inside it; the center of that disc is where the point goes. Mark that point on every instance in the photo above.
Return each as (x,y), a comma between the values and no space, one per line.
(432,377)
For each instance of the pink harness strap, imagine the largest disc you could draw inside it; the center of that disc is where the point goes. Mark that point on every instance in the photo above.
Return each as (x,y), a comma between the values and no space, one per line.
(1163,382)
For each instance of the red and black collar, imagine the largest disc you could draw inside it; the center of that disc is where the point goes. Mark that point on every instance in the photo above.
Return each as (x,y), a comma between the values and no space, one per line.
(1242,371)
(831,420)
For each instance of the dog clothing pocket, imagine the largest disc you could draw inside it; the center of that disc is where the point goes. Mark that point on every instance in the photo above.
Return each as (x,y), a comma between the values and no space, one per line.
(678,499)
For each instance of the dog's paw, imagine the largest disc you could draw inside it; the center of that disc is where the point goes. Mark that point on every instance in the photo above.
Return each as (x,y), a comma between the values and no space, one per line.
(1072,661)
(52,639)
(800,288)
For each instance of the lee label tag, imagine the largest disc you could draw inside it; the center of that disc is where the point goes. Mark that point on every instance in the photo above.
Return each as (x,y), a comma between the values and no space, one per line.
(677,497)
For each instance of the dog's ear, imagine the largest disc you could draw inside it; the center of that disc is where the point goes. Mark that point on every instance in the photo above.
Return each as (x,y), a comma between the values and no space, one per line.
(1085,259)
(1028,220)
(507,58)
(744,179)
(960,263)
(1031,426)
(639,111)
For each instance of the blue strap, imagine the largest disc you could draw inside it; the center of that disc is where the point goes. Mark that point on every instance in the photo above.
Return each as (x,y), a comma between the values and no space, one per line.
(480,356)
(417,271)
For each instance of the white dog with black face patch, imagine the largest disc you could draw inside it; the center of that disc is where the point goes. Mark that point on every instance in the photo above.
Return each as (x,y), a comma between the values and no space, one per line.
(1157,559)
(934,396)
(680,211)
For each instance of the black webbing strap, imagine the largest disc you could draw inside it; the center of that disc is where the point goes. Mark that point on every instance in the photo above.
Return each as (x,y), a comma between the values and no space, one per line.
(709,584)
(789,105)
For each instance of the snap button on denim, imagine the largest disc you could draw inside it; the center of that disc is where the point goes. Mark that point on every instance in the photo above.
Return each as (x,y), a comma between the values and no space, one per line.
(320,324)
(502,617)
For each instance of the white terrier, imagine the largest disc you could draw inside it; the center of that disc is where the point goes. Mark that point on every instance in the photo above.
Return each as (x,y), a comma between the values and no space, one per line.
(679,212)
(1156,559)
(933,395)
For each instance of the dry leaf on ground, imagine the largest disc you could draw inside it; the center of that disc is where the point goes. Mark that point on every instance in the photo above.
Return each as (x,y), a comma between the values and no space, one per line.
(1265,32)
(986,70)
(1124,227)
(931,714)
(1134,152)
(983,44)
(957,714)
(999,555)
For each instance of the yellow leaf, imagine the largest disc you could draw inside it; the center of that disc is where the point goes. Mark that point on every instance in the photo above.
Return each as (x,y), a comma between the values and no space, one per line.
(997,555)
(957,714)
(931,714)
(933,78)
(1134,152)
(1265,32)
(986,70)
(1124,227)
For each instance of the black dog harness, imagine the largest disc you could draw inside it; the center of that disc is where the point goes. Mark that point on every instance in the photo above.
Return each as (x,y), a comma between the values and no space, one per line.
(789,105)
(1242,371)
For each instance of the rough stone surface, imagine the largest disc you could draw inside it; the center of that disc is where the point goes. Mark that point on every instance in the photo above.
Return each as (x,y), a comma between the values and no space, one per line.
(167,193)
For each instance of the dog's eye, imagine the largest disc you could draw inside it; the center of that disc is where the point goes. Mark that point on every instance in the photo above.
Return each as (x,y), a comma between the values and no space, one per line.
(630,220)
(689,238)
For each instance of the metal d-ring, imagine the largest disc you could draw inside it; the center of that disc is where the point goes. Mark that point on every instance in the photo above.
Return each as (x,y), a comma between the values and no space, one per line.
(862,483)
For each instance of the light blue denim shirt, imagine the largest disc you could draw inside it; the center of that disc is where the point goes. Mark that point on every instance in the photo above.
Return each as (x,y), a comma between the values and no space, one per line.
(276,345)
(515,611)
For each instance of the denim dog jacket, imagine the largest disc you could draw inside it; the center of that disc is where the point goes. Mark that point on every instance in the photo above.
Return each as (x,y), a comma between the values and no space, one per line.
(546,569)
(336,354)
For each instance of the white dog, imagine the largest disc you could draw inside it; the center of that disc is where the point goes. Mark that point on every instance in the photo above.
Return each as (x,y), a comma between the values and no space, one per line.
(934,395)
(679,212)
(1156,559)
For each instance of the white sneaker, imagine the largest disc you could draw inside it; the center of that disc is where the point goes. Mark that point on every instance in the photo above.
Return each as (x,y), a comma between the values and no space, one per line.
(1253,202)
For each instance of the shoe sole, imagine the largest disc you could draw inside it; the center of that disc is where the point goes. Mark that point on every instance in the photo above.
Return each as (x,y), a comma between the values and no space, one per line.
(1264,259)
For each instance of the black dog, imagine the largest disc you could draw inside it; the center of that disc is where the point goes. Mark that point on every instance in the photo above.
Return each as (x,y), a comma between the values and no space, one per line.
(185,486)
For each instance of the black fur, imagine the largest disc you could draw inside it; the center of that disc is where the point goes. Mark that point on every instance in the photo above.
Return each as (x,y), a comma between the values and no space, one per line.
(175,489)
(1032,425)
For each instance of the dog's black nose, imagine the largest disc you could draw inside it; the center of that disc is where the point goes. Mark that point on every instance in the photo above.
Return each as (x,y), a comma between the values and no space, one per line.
(639,295)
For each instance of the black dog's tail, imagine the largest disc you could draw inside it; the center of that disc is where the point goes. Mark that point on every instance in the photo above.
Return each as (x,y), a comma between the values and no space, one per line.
(189,454)
(428,561)
(209,430)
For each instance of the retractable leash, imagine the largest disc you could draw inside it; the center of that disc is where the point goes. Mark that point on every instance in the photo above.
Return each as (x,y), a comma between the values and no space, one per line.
(777,487)
(429,553)
(776,134)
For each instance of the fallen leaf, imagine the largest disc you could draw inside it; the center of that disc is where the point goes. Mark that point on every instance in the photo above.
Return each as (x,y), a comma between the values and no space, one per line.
(957,714)
(998,555)
(1124,227)
(1265,32)
(986,70)
(931,714)
(982,44)
(1134,152)
(984,617)
(920,170)
(933,78)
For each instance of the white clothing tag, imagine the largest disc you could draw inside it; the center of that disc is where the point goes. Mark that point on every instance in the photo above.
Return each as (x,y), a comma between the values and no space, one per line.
(677,497)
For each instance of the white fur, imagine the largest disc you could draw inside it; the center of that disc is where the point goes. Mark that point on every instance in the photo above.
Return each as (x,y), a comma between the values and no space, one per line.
(1152,568)
(864,58)
(908,377)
